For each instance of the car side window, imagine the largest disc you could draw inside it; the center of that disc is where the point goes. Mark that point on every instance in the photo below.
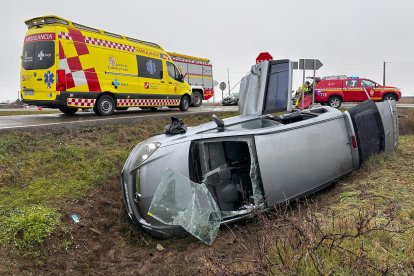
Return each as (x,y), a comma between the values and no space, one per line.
(149,67)
(351,83)
(367,83)
(171,70)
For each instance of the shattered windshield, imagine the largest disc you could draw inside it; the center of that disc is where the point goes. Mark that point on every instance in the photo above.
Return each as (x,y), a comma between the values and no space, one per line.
(179,201)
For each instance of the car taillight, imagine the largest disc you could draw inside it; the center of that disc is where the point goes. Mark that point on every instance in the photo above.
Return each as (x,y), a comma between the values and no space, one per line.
(354,142)
(61,80)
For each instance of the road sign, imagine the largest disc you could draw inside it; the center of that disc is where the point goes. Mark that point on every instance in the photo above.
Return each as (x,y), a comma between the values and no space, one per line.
(215,83)
(263,57)
(222,85)
(310,64)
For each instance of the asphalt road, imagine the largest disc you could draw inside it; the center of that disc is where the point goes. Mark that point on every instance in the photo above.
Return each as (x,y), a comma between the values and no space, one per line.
(46,121)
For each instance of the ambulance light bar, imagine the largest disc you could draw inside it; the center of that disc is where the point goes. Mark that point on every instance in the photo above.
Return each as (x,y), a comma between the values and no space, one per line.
(45,20)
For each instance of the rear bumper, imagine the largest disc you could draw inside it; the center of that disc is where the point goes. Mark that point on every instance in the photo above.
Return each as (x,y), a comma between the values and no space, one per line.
(61,100)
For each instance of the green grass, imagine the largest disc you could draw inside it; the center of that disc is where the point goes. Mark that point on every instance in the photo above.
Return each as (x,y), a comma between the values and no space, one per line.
(40,171)
(28,112)
(367,229)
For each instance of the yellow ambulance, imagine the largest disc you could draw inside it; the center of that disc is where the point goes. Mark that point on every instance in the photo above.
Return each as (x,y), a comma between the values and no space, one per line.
(69,66)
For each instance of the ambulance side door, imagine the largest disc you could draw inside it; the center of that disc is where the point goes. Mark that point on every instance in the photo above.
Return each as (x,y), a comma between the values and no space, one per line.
(151,77)
(172,78)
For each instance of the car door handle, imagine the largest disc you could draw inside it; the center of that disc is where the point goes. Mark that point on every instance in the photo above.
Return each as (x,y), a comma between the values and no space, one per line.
(39,79)
(162,81)
(170,82)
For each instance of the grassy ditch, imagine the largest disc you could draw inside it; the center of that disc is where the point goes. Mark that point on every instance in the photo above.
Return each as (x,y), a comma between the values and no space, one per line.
(363,225)
(39,171)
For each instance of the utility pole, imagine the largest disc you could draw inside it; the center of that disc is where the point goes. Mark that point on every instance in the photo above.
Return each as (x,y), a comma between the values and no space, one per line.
(228,79)
(383,74)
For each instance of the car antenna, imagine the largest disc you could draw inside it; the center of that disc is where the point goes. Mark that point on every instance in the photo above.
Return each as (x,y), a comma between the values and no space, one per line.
(219,122)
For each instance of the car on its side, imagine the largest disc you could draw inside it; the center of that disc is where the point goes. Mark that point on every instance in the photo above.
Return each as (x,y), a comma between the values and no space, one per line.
(233,99)
(223,171)
(336,90)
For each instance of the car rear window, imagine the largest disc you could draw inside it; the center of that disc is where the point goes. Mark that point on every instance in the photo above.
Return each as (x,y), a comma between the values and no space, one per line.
(38,55)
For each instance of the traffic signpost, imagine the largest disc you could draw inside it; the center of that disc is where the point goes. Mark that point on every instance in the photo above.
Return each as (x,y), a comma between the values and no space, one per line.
(309,64)
(222,88)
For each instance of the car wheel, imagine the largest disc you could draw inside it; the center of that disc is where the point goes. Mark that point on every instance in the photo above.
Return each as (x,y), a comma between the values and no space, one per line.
(184,103)
(68,110)
(197,99)
(389,97)
(105,106)
(335,101)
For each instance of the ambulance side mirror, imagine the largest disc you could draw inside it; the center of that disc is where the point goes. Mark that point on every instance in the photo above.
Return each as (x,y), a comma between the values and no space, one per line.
(180,78)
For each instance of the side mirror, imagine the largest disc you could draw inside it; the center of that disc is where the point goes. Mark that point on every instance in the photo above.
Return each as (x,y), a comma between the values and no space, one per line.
(161,74)
(181,77)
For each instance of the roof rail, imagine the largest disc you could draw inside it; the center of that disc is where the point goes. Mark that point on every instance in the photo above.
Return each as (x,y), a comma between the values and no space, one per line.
(56,20)
(335,77)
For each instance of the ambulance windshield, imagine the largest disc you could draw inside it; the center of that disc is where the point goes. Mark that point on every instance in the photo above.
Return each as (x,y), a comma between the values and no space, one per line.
(38,55)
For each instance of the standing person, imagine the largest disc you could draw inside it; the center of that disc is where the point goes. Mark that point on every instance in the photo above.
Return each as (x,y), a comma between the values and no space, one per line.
(300,92)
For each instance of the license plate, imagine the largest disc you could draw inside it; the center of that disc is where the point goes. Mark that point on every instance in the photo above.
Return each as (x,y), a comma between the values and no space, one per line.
(29,93)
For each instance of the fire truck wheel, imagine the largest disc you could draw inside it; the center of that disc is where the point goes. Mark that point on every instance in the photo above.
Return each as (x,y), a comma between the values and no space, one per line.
(335,101)
(68,110)
(105,106)
(197,99)
(184,103)
(389,97)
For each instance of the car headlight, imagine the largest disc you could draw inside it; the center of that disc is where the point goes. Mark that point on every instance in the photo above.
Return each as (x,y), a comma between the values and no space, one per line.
(144,152)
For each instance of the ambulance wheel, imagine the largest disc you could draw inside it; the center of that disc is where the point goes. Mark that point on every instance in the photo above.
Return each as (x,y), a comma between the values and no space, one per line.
(184,103)
(335,101)
(197,99)
(68,110)
(389,97)
(105,106)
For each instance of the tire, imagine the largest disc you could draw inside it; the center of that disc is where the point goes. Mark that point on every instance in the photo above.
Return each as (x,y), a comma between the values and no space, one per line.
(68,110)
(389,96)
(121,108)
(335,101)
(197,99)
(184,103)
(104,106)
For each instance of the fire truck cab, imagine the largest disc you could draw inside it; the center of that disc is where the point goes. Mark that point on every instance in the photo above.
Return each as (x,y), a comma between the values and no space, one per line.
(335,90)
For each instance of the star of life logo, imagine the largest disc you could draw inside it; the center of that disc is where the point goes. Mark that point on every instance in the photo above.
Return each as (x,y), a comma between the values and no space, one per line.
(151,68)
(49,78)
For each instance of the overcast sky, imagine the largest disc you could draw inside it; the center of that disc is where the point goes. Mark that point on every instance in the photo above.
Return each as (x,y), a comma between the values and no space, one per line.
(350,37)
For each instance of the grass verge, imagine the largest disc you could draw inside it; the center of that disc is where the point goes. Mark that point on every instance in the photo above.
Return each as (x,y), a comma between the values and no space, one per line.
(28,112)
(39,171)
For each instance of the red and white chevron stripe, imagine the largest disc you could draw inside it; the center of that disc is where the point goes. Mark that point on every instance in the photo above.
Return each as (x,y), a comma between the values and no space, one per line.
(100,42)
(76,102)
(147,102)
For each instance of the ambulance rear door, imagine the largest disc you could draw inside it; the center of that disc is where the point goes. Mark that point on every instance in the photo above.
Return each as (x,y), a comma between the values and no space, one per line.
(38,71)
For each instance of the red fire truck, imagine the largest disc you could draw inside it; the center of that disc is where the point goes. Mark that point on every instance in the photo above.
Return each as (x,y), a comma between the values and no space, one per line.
(198,72)
(337,89)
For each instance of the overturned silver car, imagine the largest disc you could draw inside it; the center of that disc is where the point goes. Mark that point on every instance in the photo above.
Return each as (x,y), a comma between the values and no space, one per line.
(224,170)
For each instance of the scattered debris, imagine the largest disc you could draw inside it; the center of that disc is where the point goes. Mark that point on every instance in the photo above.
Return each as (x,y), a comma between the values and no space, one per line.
(160,247)
(75,218)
